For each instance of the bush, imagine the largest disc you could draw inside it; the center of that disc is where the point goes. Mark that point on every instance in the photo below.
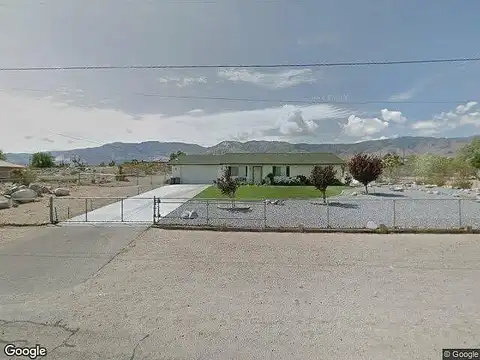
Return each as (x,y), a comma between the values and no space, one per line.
(24,177)
(348,180)
(43,160)
(271,179)
(303,180)
(463,184)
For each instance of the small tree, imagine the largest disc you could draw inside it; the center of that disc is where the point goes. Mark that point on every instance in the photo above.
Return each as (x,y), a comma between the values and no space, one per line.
(3,156)
(365,168)
(322,177)
(43,160)
(228,185)
(392,162)
(175,155)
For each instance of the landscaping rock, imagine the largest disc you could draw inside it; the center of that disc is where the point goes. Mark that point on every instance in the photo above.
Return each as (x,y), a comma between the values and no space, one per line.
(39,188)
(371,225)
(61,192)
(24,196)
(354,193)
(398,189)
(14,189)
(4,203)
(189,215)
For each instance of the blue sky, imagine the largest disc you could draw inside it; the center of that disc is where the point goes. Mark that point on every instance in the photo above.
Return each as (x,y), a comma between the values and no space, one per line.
(64,110)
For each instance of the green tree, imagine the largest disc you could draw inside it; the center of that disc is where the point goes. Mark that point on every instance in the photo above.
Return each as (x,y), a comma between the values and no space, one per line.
(365,168)
(391,163)
(3,156)
(228,185)
(322,177)
(175,155)
(42,160)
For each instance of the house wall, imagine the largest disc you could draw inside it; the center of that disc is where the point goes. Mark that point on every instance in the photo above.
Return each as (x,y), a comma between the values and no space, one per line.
(206,174)
(196,174)
(5,172)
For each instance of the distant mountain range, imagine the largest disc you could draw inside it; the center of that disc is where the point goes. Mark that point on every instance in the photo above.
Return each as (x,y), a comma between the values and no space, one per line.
(154,150)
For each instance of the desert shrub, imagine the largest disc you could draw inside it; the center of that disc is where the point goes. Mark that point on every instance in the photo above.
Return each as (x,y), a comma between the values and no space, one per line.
(462,183)
(24,177)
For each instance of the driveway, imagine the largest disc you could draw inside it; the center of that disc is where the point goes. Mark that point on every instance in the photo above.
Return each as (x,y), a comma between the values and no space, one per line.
(219,296)
(139,209)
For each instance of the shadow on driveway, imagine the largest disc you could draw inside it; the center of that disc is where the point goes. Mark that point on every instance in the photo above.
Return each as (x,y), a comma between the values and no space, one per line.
(344,205)
(387,195)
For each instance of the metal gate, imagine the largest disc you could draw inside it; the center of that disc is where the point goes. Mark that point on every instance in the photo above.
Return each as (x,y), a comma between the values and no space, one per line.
(156,210)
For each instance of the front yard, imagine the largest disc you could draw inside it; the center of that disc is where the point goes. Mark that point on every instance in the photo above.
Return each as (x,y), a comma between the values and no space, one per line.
(253,192)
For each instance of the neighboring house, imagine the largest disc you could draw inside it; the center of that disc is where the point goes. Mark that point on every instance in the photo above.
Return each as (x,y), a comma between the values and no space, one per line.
(253,167)
(6,169)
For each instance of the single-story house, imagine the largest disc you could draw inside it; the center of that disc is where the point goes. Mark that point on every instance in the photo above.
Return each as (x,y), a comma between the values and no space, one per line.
(253,167)
(6,169)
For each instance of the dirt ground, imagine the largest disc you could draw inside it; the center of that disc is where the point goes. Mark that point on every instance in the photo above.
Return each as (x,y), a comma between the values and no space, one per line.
(66,207)
(211,295)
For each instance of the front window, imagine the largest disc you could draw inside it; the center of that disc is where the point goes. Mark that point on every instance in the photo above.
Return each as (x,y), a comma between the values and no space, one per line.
(233,170)
(277,171)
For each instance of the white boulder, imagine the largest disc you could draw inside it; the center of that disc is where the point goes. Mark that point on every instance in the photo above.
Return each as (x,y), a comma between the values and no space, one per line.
(24,196)
(61,192)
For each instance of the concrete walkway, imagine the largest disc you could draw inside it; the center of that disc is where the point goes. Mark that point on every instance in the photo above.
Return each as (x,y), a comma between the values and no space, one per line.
(139,209)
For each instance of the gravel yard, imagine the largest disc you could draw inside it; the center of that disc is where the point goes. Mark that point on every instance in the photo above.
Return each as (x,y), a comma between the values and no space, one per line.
(409,209)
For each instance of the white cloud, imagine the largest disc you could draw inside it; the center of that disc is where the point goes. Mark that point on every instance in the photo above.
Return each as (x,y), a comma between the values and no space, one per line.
(425,125)
(295,124)
(393,116)
(279,80)
(462,115)
(357,126)
(463,109)
(74,127)
(182,82)
(196,112)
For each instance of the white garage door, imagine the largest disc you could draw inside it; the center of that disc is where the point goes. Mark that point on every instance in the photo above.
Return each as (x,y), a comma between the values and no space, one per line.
(198,174)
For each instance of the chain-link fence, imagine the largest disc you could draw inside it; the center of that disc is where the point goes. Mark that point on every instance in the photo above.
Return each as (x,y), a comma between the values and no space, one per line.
(59,179)
(278,214)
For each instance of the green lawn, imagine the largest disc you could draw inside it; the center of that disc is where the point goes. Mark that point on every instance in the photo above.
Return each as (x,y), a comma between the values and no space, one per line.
(252,192)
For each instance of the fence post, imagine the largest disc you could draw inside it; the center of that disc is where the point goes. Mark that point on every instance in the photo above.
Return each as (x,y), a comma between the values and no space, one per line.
(86,210)
(137,179)
(121,210)
(154,209)
(79,178)
(208,205)
(328,214)
(459,212)
(51,210)
(264,214)
(394,214)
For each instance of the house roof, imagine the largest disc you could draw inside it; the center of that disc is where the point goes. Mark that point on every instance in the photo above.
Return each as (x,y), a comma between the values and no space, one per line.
(260,159)
(6,164)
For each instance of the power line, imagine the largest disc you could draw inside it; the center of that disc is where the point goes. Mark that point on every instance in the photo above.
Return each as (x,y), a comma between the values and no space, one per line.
(240,66)
(312,101)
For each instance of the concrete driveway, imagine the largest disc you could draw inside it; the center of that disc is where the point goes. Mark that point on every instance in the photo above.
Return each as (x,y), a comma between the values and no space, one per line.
(219,296)
(139,209)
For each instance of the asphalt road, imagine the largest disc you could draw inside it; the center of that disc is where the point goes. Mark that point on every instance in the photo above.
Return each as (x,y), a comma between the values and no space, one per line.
(200,295)
(34,261)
